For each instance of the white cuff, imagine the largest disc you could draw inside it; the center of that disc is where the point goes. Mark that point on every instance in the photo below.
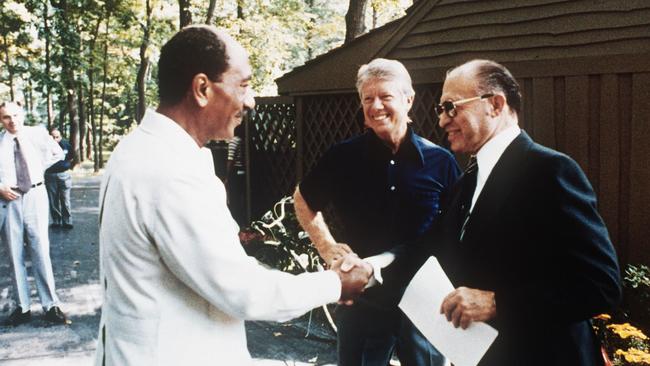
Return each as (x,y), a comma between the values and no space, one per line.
(377,262)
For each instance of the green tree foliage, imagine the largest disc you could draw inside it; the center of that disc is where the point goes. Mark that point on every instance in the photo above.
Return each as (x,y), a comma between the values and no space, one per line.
(74,63)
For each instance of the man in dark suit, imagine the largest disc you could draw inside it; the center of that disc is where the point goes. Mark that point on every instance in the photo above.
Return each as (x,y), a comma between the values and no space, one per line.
(520,236)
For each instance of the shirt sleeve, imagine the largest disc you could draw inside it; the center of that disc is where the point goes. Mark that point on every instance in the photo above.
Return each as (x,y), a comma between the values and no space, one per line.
(197,239)
(52,150)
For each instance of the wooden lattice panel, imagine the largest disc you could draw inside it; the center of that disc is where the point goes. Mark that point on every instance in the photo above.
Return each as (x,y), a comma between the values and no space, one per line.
(272,135)
(327,120)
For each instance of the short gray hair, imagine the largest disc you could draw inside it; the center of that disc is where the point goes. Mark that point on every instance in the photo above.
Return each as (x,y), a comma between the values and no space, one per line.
(386,70)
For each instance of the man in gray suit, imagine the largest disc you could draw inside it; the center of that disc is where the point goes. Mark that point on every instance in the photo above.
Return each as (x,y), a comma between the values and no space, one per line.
(25,153)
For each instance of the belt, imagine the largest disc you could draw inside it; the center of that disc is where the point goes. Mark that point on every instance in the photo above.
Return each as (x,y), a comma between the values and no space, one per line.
(32,186)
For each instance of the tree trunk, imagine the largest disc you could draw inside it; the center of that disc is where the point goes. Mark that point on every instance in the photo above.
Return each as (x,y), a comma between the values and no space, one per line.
(210,17)
(141,86)
(99,150)
(82,122)
(375,17)
(62,113)
(72,115)
(9,68)
(48,87)
(240,10)
(355,19)
(91,93)
(185,14)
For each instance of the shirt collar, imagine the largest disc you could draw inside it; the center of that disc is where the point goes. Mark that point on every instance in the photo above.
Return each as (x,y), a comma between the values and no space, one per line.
(490,153)
(160,125)
(411,147)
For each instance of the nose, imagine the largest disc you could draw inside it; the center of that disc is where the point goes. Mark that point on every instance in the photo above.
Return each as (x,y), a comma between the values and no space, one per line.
(249,99)
(377,104)
(443,120)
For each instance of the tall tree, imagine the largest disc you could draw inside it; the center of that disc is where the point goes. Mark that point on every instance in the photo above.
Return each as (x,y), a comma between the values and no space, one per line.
(141,85)
(47,34)
(185,13)
(210,16)
(355,19)
(69,59)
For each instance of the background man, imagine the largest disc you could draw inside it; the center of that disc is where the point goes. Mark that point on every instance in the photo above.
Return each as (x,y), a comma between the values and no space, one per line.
(59,183)
(25,152)
(177,283)
(384,186)
(520,237)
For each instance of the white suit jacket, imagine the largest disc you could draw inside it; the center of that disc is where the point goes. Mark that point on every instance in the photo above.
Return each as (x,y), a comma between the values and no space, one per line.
(177,283)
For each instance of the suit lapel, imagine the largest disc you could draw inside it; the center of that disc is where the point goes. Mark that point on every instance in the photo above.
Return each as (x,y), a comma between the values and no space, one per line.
(498,187)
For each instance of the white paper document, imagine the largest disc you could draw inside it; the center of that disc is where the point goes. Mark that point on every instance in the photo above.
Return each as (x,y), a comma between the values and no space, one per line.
(421,303)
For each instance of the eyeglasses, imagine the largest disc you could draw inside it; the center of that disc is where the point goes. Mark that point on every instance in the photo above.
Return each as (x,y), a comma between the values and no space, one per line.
(449,107)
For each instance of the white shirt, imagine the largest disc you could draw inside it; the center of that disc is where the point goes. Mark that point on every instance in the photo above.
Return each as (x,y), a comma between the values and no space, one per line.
(488,156)
(178,282)
(39,149)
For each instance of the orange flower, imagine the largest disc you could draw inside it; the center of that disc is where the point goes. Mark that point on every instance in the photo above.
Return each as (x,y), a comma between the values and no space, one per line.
(634,355)
(626,330)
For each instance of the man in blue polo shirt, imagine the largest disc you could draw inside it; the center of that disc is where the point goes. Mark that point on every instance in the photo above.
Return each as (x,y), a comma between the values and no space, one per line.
(385,186)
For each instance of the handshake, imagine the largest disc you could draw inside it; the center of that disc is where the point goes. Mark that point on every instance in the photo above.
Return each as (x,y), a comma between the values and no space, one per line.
(354,274)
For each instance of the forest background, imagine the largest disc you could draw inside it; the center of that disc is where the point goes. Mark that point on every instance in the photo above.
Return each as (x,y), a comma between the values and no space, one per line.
(88,67)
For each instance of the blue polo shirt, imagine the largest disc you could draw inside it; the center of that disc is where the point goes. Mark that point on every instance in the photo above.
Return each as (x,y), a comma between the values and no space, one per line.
(381,199)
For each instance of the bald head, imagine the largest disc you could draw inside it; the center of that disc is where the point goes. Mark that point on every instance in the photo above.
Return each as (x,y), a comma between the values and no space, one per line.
(12,116)
(490,77)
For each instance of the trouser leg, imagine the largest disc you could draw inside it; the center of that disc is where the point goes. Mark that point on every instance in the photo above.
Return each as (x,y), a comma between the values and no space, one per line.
(366,336)
(12,235)
(35,219)
(65,186)
(51,183)
(413,349)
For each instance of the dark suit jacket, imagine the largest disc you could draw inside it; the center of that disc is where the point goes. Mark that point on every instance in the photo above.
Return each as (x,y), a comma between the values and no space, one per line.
(536,239)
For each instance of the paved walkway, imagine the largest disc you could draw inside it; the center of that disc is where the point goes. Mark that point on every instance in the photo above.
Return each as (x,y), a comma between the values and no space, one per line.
(74,256)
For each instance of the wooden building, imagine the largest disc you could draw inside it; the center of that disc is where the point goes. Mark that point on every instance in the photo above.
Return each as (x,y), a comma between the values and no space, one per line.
(584,69)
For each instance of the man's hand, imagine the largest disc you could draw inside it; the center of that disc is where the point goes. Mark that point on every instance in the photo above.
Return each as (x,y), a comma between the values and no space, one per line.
(465,305)
(8,194)
(354,274)
(333,252)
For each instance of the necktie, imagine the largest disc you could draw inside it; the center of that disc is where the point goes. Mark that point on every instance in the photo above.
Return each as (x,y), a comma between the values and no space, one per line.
(467,192)
(23,182)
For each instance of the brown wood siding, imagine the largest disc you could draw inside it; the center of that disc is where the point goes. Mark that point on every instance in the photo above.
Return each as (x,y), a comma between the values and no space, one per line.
(510,31)
(639,217)
(602,122)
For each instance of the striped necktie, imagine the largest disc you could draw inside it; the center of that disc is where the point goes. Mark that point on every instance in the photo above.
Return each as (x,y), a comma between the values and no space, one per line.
(23,181)
(467,193)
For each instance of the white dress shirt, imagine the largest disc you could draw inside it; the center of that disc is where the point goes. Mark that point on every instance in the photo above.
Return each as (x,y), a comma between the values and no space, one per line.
(39,149)
(488,156)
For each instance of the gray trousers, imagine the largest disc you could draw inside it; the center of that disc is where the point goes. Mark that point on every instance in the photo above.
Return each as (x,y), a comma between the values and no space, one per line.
(26,226)
(58,190)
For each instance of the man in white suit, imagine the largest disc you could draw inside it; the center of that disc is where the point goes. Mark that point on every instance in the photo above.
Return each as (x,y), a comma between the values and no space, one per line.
(177,283)
(25,153)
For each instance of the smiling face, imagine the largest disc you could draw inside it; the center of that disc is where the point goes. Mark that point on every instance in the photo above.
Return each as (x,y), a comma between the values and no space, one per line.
(385,108)
(473,125)
(232,95)
(12,117)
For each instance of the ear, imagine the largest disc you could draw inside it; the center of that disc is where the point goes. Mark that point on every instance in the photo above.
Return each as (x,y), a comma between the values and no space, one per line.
(200,89)
(498,104)
(409,101)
